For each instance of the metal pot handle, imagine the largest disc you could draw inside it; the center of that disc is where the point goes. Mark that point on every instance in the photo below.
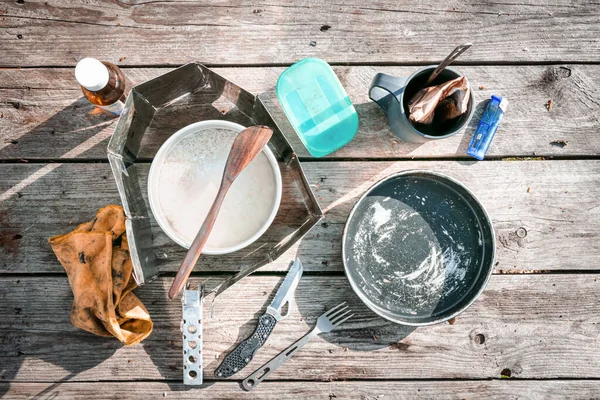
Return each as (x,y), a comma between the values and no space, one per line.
(385,88)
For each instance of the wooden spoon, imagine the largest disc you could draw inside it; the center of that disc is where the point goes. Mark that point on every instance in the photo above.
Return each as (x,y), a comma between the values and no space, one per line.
(246,146)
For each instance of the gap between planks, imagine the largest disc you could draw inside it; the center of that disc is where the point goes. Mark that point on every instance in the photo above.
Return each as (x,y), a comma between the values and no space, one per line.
(491,389)
(491,158)
(334,64)
(201,274)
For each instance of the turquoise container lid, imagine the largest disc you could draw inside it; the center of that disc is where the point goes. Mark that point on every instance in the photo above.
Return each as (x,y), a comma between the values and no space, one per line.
(317,106)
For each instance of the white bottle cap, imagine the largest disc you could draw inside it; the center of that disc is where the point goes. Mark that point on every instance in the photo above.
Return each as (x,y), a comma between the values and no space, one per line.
(91,74)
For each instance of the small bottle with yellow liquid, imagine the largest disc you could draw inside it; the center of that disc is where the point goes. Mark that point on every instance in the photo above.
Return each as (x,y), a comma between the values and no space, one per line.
(102,83)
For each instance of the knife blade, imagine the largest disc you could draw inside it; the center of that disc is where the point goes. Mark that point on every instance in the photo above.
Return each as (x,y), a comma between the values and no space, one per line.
(286,290)
(243,353)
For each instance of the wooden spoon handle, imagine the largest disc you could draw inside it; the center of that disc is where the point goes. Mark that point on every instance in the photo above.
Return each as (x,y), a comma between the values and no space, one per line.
(246,146)
(187,265)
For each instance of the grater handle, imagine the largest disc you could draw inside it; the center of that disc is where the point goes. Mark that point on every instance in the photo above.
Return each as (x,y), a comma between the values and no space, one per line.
(191,327)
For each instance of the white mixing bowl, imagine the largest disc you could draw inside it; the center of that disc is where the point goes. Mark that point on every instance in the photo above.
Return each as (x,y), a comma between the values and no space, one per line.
(202,161)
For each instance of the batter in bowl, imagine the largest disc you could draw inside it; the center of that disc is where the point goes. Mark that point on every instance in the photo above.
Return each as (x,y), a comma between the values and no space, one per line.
(189,179)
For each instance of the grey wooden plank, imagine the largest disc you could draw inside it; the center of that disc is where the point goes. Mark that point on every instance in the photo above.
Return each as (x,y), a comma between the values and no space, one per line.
(537,326)
(244,32)
(60,123)
(24,232)
(555,202)
(363,390)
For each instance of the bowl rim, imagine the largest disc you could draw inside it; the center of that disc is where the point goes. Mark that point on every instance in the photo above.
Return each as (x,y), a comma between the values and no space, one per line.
(153,177)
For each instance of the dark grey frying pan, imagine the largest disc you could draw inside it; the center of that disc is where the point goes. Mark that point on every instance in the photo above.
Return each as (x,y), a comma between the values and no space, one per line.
(418,248)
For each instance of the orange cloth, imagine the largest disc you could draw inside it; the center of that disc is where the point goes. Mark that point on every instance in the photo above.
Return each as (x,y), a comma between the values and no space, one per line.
(96,258)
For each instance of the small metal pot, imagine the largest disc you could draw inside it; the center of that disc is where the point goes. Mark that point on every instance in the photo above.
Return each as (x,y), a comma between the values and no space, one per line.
(392,94)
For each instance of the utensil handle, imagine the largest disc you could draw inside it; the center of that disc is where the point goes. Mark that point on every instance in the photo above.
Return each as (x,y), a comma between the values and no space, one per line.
(243,353)
(386,88)
(448,60)
(260,374)
(187,265)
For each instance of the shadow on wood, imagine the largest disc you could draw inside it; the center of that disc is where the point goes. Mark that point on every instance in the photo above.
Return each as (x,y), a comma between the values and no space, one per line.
(372,118)
(469,131)
(364,334)
(80,117)
(48,338)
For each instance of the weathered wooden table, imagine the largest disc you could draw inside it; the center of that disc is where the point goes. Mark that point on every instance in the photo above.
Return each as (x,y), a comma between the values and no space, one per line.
(537,322)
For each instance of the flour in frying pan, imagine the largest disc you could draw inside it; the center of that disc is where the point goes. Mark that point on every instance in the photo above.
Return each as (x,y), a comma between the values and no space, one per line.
(382,273)
(189,180)
(381,216)
(435,268)
(378,225)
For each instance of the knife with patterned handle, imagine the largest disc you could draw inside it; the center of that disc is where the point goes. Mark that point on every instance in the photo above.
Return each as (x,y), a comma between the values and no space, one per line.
(244,352)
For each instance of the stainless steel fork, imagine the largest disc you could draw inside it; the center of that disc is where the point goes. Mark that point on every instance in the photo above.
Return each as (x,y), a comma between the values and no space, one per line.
(326,323)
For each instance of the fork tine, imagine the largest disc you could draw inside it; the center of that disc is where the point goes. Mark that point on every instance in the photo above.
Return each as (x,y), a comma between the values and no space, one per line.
(343,320)
(328,313)
(334,315)
(340,316)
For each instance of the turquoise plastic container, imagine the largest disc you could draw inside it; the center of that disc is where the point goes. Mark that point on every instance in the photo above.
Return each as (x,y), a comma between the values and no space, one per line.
(317,106)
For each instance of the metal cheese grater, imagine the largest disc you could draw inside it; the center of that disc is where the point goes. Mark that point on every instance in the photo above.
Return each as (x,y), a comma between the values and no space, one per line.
(191,327)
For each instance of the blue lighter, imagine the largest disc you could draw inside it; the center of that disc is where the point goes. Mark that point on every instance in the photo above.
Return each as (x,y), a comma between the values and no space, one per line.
(482,138)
